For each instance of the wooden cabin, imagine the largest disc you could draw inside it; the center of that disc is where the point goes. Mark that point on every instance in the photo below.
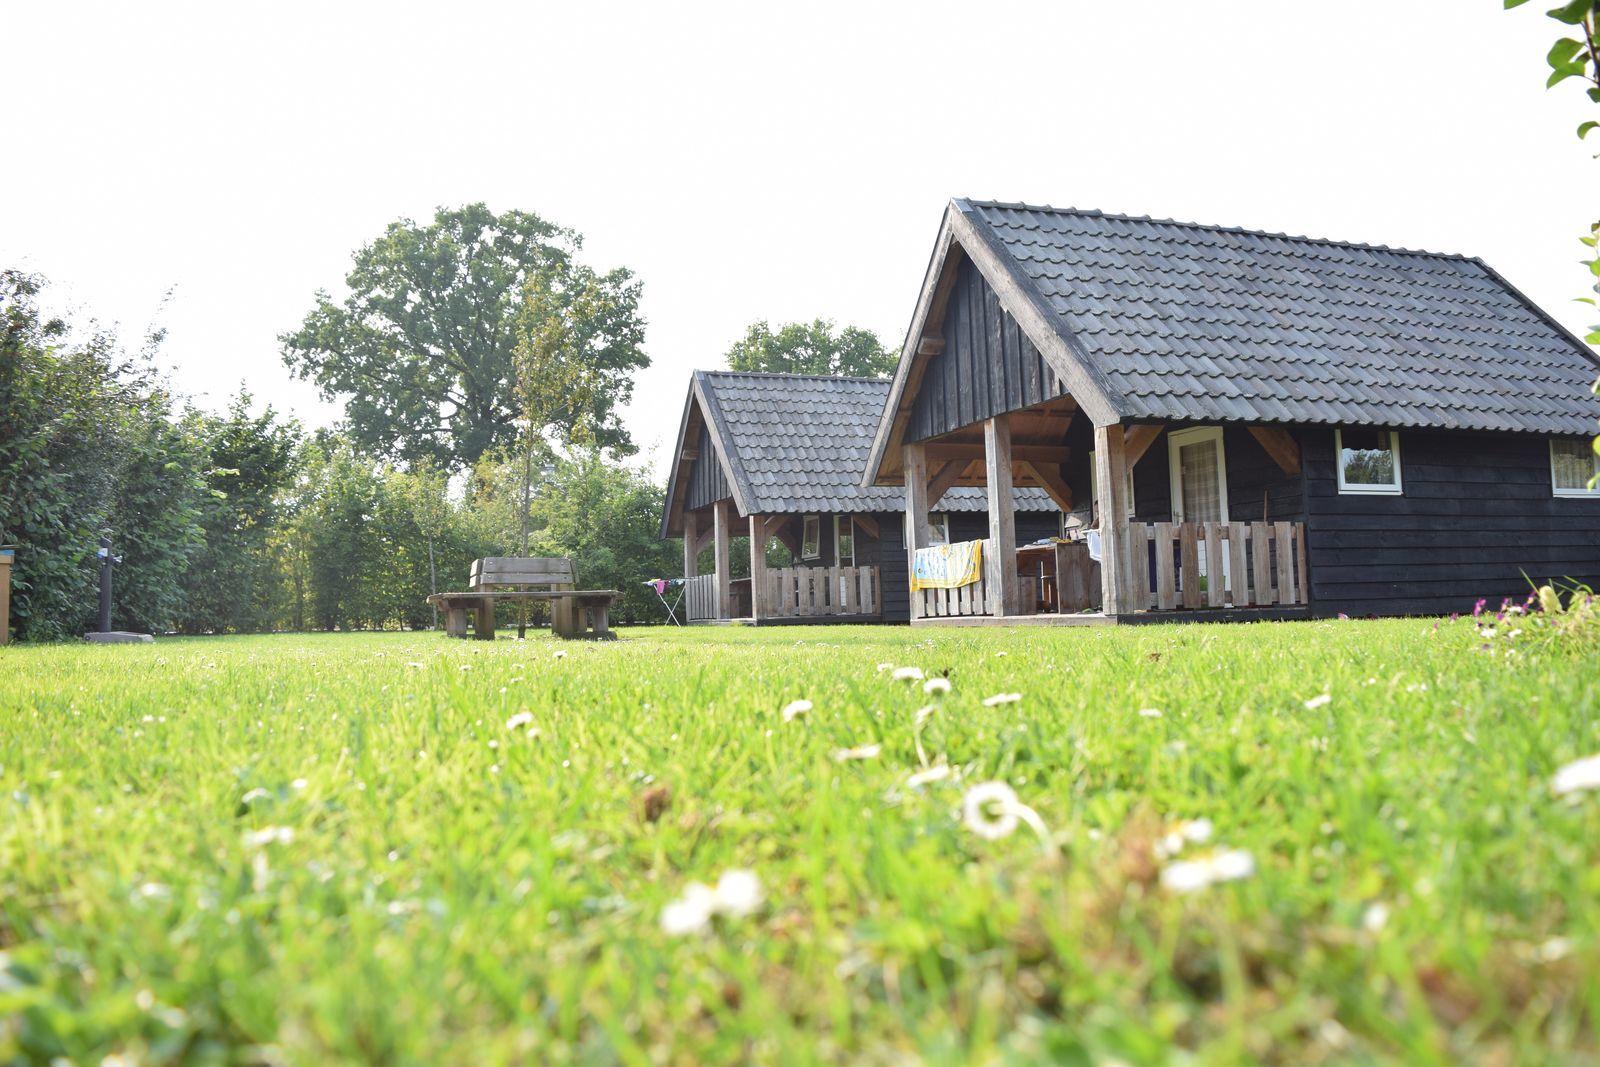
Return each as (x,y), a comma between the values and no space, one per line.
(778,458)
(1242,424)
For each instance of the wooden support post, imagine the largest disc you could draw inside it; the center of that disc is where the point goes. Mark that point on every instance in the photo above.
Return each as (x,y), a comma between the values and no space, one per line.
(6,557)
(691,544)
(915,465)
(1002,564)
(1111,476)
(758,567)
(722,517)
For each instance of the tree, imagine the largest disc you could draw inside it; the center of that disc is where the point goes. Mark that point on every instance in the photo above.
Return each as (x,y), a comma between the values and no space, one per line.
(814,348)
(422,349)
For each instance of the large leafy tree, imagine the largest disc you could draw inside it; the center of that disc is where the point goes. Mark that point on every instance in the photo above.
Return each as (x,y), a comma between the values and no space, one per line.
(422,350)
(816,347)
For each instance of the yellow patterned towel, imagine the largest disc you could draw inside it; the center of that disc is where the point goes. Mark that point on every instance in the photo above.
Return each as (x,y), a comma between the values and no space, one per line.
(947,566)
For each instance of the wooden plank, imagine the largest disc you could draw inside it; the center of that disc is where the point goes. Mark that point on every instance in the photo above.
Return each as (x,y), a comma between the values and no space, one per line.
(1166,578)
(1280,445)
(1111,475)
(1137,441)
(872,594)
(1189,552)
(949,473)
(1303,587)
(1283,533)
(1215,567)
(691,533)
(1239,565)
(722,522)
(835,604)
(868,523)
(1262,563)
(1052,483)
(1139,565)
(915,466)
(1002,564)
(967,451)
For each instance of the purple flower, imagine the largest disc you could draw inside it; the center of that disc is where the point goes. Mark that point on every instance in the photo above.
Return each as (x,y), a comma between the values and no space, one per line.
(1477,609)
(1342,615)
(1500,616)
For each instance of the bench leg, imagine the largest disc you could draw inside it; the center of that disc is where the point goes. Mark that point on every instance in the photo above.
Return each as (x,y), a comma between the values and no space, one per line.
(483,625)
(563,617)
(455,621)
(602,618)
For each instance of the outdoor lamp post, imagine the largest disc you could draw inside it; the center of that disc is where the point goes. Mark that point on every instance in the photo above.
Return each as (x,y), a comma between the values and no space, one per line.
(106,635)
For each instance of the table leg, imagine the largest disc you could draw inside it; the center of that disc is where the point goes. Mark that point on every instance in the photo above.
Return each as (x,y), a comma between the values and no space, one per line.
(455,621)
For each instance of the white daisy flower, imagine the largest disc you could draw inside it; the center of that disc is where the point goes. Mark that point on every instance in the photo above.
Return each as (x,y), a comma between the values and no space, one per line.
(1376,917)
(844,755)
(990,810)
(690,913)
(298,783)
(1581,774)
(907,674)
(1001,698)
(885,667)
(1149,713)
(737,894)
(795,708)
(270,835)
(1191,832)
(1321,701)
(928,776)
(1186,876)
(559,653)
(936,685)
(521,718)
(926,713)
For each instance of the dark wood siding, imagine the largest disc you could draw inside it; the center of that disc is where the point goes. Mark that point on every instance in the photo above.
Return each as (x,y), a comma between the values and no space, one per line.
(1477,519)
(707,482)
(988,366)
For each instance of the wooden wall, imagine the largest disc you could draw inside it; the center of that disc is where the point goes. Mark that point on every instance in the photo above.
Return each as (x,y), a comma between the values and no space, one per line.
(988,366)
(707,482)
(1476,513)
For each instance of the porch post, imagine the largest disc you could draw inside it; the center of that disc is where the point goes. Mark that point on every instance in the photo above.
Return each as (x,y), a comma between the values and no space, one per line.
(722,517)
(758,567)
(1002,562)
(914,460)
(1110,473)
(691,539)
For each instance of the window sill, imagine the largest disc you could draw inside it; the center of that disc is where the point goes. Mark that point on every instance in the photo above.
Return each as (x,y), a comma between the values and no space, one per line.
(1576,494)
(1370,490)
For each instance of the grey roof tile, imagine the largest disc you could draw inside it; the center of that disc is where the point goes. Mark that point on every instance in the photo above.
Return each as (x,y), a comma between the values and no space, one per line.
(1210,323)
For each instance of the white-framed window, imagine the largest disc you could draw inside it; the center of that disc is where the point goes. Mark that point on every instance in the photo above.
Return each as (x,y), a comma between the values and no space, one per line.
(811,542)
(1574,467)
(1367,461)
(1198,474)
(844,540)
(938,528)
(1094,488)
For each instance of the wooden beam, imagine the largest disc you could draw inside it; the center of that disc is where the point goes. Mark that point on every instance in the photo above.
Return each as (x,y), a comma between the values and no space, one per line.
(869,524)
(691,544)
(1111,475)
(915,466)
(758,567)
(930,346)
(1053,484)
(1002,562)
(722,520)
(781,528)
(948,475)
(1137,441)
(944,451)
(1280,445)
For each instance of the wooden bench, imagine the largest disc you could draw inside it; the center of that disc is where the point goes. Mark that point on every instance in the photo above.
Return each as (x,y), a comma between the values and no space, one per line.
(498,578)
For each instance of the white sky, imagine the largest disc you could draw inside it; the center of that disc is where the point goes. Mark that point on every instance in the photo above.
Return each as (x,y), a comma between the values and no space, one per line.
(746,161)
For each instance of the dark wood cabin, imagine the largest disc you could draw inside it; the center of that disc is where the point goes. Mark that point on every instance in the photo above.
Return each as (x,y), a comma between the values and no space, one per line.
(1241,424)
(777,459)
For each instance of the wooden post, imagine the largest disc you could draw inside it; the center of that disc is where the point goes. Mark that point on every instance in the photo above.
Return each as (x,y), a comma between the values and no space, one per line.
(758,567)
(691,544)
(1111,476)
(7,556)
(722,518)
(1002,563)
(914,460)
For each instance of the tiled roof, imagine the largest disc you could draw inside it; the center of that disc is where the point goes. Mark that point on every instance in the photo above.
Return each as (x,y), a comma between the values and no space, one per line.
(1187,322)
(798,444)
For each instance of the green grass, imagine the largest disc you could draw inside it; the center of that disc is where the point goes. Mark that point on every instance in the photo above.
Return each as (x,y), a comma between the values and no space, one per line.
(457,892)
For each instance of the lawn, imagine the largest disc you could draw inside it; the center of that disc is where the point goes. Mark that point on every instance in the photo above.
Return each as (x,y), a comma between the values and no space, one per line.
(320,849)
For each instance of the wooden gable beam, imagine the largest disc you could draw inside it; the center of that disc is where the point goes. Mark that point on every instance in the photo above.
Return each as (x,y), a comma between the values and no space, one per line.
(1136,441)
(1053,484)
(869,524)
(965,452)
(781,529)
(1280,445)
(947,476)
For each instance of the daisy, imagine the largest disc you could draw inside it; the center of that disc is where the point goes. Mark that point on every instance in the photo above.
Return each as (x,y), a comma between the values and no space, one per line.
(690,913)
(990,810)
(936,685)
(885,667)
(1149,713)
(1321,701)
(1190,832)
(1001,698)
(737,894)
(795,708)
(280,835)
(1581,774)
(559,653)
(844,755)
(928,776)
(521,718)
(907,674)
(1187,876)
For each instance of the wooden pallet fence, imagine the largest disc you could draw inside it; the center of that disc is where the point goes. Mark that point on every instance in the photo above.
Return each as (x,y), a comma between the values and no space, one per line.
(700,598)
(800,592)
(964,600)
(1218,564)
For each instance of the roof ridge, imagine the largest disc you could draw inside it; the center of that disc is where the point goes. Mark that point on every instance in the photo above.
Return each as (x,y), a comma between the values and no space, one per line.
(1010,205)
(791,376)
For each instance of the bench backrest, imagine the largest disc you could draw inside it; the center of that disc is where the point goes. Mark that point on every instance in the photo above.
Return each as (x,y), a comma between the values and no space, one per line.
(556,572)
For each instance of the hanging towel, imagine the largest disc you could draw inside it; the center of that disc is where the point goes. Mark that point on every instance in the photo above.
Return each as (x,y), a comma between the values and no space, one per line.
(947,566)
(1093,539)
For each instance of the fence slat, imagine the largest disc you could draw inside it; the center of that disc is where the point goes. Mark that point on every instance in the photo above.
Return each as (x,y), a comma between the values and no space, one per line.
(1166,581)
(1261,557)
(1303,586)
(1189,570)
(1239,560)
(1216,568)
(1285,538)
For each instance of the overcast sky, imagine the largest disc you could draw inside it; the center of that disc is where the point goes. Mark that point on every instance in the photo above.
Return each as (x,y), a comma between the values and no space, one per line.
(747,161)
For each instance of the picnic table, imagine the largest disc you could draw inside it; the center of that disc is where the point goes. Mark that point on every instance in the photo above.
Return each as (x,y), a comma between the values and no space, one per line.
(572,610)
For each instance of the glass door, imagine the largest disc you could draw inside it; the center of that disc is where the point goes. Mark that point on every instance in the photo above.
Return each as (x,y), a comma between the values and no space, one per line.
(1199,476)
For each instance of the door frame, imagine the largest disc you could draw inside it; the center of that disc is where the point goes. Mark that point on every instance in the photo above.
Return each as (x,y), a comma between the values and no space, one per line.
(1176,439)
